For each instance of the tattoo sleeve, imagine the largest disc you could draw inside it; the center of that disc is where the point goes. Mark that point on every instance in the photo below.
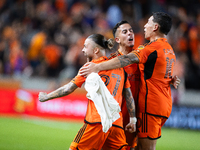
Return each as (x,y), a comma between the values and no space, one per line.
(130,104)
(126,60)
(63,91)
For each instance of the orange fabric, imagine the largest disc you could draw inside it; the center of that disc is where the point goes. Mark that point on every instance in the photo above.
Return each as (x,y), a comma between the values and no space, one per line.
(149,126)
(37,43)
(194,44)
(115,82)
(91,136)
(156,63)
(133,75)
(61,5)
(52,55)
(182,44)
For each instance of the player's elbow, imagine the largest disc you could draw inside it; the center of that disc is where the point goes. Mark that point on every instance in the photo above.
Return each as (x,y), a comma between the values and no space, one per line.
(133,58)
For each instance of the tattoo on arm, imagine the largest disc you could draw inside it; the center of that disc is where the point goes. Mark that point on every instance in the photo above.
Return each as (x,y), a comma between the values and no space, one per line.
(126,60)
(130,104)
(63,91)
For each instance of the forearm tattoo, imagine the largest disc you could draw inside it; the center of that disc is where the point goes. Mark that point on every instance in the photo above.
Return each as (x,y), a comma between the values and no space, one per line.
(130,104)
(126,60)
(63,91)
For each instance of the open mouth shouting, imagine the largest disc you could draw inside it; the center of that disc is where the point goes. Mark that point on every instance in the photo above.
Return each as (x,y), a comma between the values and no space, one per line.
(131,39)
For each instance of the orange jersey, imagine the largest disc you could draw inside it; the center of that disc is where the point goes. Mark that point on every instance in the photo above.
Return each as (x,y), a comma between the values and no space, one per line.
(156,63)
(133,75)
(115,81)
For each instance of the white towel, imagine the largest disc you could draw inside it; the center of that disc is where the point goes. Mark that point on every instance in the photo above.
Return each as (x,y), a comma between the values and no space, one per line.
(107,107)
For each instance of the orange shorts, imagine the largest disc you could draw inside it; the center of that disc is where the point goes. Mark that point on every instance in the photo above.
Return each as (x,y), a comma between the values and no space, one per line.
(149,126)
(91,136)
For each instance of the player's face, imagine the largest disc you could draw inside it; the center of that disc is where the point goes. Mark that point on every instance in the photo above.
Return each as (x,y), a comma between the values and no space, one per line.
(149,28)
(125,35)
(88,48)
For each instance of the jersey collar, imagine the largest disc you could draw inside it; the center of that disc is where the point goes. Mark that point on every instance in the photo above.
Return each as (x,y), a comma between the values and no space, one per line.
(103,58)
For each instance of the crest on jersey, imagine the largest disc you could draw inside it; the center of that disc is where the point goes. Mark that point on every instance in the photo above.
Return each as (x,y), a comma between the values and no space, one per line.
(140,47)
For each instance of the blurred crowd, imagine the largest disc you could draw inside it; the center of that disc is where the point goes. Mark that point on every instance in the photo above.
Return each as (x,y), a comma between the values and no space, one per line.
(45,37)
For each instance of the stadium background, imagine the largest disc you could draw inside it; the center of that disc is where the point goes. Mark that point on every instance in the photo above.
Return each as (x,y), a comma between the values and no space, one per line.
(41,43)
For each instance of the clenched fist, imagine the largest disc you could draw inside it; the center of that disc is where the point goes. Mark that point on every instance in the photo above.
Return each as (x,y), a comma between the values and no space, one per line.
(43,97)
(130,127)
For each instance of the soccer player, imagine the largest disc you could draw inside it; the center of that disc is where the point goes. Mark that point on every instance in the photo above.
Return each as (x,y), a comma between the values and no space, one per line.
(124,36)
(91,136)
(156,61)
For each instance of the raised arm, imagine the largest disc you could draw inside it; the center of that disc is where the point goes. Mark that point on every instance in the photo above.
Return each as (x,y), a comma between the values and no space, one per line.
(118,62)
(130,104)
(62,91)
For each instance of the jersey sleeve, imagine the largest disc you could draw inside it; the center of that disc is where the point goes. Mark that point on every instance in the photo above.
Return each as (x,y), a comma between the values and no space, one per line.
(78,80)
(142,53)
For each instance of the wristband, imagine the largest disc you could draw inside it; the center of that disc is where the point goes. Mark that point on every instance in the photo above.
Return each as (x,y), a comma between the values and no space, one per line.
(133,120)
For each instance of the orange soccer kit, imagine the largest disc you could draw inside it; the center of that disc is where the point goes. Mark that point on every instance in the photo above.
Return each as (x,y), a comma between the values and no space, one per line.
(91,136)
(133,75)
(156,63)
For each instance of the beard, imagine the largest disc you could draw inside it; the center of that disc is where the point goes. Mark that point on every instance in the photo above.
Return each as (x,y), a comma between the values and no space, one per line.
(132,45)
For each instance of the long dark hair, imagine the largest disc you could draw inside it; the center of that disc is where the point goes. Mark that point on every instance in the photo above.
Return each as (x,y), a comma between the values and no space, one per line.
(101,41)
